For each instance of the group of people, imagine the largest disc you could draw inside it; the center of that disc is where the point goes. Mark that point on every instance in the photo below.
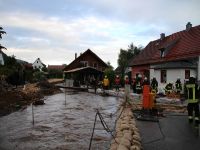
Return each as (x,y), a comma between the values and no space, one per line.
(169,88)
(192,91)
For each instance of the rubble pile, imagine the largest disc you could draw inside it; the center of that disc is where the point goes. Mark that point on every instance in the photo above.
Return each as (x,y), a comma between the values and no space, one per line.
(127,134)
(18,98)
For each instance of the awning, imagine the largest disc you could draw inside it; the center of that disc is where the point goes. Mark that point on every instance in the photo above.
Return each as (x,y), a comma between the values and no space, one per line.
(84,69)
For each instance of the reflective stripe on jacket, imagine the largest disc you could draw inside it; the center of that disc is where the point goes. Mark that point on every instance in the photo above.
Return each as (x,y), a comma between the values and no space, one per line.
(191,93)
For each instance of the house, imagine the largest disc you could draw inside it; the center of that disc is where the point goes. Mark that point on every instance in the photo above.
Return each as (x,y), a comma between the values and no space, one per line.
(1,58)
(38,64)
(84,67)
(56,67)
(169,57)
(55,71)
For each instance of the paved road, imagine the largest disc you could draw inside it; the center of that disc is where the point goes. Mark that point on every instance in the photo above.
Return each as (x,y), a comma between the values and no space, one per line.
(171,133)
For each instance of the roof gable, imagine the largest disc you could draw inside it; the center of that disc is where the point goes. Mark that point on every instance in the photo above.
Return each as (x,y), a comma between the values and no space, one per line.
(179,45)
(81,57)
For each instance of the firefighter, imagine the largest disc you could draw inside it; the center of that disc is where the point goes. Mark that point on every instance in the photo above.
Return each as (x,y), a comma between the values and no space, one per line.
(192,95)
(145,82)
(126,80)
(178,86)
(117,83)
(139,84)
(154,85)
(105,83)
(134,84)
(169,88)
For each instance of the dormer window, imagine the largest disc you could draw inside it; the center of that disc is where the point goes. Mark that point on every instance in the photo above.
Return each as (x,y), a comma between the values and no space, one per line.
(162,52)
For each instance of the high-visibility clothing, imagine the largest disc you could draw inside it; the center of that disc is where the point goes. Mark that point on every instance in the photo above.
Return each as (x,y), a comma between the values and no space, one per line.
(178,86)
(105,82)
(138,86)
(192,93)
(154,85)
(169,88)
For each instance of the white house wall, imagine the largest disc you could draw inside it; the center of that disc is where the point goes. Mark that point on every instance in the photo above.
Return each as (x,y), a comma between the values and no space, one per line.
(172,75)
(38,64)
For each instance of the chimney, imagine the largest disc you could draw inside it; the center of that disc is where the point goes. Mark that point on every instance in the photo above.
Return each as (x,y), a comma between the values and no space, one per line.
(162,36)
(188,26)
(75,55)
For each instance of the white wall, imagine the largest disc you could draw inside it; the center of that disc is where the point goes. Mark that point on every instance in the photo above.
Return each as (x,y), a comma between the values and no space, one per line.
(1,59)
(172,75)
(38,64)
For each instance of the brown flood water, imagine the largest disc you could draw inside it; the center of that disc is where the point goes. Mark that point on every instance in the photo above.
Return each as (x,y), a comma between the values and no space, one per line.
(60,126)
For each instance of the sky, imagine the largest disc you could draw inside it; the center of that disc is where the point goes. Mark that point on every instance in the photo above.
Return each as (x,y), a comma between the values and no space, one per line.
(54,30)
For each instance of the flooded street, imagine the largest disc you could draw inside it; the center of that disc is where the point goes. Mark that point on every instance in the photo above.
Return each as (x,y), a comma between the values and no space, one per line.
(60,124)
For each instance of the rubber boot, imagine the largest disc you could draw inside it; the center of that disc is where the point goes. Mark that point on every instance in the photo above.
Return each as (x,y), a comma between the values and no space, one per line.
(190,119)
(196,122)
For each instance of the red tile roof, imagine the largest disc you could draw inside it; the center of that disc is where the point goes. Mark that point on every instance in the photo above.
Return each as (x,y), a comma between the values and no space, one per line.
(56,67)
(180,45)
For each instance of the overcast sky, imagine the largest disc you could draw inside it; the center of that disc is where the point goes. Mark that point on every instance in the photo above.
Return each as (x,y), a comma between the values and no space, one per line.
(54,30)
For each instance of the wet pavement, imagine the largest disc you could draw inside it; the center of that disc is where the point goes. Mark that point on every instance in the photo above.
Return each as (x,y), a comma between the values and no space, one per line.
(171,133)
(60,124)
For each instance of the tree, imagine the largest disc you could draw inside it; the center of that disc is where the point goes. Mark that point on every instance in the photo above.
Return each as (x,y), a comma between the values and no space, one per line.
(1,32)
(109,72)
(126,55)
(109,65)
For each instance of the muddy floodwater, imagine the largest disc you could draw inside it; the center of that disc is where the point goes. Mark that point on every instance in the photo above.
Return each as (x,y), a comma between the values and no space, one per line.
(60,124)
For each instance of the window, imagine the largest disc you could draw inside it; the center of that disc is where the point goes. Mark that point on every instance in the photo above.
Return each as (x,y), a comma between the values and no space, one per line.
(163,76)
(95,65)
(187,74)
(162,52)
(84,63)
(1,62)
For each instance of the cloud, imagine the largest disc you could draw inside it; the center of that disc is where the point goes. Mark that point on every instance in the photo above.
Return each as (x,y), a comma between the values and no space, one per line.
(56,30)
(52,33)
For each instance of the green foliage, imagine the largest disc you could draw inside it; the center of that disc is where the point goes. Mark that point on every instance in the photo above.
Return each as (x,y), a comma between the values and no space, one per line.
(126,55)
(39,76)
(28,75)
(1,32)
(109,65)
(10,66)
(109,72)
(53,73)
(44,69)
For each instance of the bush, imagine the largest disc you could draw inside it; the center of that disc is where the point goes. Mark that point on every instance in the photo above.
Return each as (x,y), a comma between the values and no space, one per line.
(39,76)
(109,72)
